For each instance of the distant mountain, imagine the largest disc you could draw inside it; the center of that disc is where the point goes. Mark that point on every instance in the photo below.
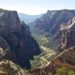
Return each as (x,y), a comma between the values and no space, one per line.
(52,20)
(9,68)
(28,18)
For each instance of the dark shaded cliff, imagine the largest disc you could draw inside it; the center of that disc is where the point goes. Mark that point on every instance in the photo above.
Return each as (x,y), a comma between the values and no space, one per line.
(17,37)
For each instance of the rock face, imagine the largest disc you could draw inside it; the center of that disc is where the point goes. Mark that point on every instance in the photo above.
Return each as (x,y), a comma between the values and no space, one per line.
(17,39)
(67,35)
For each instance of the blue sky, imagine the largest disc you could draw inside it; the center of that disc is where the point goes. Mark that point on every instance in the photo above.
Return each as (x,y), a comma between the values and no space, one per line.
(34,7)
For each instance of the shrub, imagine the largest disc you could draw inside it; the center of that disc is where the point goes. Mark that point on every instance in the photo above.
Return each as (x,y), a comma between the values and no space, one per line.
(71,72)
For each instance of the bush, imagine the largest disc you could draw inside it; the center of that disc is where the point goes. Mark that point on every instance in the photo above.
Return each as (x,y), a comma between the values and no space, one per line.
(71,72)
(49,73)
(64,71)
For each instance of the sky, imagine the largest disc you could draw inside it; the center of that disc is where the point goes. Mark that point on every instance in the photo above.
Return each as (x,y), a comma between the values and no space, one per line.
(35,7)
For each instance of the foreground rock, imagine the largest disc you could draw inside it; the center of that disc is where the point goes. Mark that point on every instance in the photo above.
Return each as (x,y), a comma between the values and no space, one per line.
(9,68)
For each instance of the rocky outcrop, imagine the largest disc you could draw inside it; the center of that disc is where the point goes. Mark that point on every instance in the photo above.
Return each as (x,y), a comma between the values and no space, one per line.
(17,39)
(9,68)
